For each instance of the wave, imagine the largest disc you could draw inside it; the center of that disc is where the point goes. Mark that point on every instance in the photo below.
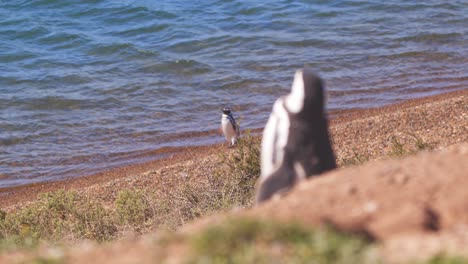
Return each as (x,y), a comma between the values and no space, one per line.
(421,55)
(143,30)
(180,67)
(16,57)
(432,38)
(60,103)
(26,33)
(120,14)
(317,43)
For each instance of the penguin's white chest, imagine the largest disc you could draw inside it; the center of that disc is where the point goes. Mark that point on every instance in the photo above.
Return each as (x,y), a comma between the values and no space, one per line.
(228,130)
(275,139)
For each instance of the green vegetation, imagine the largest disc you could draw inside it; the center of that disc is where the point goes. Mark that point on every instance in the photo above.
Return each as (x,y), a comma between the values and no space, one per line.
(247,240)
(241,171)
(69,215)
(134,208)
(243,240)
(398,149)
(420,144)
(57,216)
(230,186)
(444,259)
(42,260)
(356,159)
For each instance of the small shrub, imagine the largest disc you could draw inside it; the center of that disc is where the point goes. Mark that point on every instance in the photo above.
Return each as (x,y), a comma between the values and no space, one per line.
(187,201)
(57,216)
(246,158)
(194,201)
(243,170)
(356,159)
(397,148)
(45,218)
(420,144)
(229,186)
(93,221)
(2,215)
(133,208)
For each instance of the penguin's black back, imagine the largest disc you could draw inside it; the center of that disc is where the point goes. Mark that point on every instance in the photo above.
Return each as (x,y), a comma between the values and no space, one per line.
(313,105)
(308,138)
(309,144)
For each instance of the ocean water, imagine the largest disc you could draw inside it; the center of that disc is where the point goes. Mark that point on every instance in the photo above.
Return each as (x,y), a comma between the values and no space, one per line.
(92,84)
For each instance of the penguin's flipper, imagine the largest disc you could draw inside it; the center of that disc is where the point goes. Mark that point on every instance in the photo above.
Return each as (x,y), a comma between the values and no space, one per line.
(234,124)
(237,130)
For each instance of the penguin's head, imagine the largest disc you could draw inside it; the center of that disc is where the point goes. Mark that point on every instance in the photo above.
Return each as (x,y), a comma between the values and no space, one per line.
(306,97)
(226,110)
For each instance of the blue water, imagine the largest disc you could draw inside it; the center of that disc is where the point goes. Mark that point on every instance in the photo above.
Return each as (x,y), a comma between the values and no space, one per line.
(89,85)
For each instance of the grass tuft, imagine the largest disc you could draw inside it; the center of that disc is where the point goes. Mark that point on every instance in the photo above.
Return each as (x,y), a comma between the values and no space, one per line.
(44,260)
(242,171)
(134,208)
(356,159)
(397,149)
(420,144)
(445,259)
(230,186)
(57,216)
(254,241)
(2,215)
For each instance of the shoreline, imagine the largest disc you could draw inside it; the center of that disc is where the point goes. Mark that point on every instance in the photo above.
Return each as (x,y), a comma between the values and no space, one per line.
(15,196)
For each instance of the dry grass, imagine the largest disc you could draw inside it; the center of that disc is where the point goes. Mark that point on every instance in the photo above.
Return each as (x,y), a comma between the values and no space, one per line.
(229,186)
(69,215)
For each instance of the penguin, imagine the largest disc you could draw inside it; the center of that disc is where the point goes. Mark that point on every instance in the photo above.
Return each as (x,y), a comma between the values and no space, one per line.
(231,129)
(296,142)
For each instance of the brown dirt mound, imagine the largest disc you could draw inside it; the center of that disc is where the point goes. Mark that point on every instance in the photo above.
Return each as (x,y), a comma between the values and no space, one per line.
(418,204)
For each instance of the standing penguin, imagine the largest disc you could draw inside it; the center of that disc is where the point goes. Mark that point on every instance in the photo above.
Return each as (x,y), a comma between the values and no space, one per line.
(295,143)
(231,129)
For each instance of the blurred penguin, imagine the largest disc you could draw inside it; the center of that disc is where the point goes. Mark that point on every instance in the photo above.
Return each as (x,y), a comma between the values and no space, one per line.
(231,129)
(295,143)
